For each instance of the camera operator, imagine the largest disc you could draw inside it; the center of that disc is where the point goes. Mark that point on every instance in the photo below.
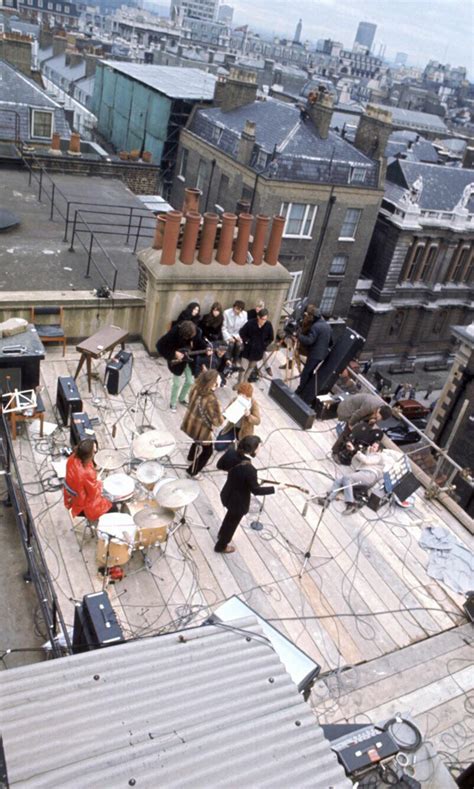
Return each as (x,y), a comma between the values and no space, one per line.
(315,338)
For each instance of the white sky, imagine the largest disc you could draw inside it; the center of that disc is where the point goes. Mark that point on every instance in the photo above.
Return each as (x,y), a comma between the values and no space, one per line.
(425,29)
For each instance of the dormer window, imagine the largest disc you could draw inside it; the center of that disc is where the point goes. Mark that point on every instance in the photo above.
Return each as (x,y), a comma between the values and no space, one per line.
(41,124)
(358,175)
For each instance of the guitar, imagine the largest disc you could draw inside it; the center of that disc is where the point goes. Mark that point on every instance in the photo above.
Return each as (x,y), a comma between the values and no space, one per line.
(287,485)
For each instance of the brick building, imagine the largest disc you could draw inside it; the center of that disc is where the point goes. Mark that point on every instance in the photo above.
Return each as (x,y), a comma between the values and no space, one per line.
(418,277)
(278,158)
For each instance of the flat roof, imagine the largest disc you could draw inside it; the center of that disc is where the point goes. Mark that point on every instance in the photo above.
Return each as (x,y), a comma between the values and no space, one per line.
(173,81)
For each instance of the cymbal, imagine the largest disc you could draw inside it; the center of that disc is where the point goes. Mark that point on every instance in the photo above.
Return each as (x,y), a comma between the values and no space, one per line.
(109,459)
(150,517)
(149,472)
(178,493)
(153,444)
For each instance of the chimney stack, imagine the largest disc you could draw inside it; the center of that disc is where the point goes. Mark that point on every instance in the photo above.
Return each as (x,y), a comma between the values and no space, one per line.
(159,232)
(319,107)
(191,200)
(240,89)
(242,207)
(373,131)
(190,236)
(224,249)
(246,143)
(208,237)
(170,238)
(274,244)
(258,244)
(75,144)
(59,45)
(241,245)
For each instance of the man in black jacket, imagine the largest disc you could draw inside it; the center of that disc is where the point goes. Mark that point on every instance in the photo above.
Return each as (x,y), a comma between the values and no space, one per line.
(235,495)
(175,346)
(317,342)
(256,335)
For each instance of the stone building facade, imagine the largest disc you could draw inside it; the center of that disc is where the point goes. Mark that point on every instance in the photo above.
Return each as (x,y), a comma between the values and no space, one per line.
(418,276)
(271,157)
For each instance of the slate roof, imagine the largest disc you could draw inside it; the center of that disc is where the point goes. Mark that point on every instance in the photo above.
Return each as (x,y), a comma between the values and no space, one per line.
(20,94)
(301,155)
(442,186)
(71,73)
(416,120)
(174,81)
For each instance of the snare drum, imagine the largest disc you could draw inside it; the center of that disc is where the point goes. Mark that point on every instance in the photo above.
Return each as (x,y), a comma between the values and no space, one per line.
(115,537)
(152,526)
(119,487)
(162,482)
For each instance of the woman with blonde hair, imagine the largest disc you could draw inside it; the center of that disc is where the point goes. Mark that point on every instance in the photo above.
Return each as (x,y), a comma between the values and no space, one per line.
(202,416)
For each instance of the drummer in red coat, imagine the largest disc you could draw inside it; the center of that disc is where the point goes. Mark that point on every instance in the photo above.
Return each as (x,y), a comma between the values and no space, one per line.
(82,489)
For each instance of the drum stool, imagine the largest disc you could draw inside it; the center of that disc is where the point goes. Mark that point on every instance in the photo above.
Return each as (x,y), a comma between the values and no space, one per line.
(81,521)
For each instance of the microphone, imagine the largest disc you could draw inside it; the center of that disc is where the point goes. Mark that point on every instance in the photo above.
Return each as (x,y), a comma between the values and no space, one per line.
(305,508)
(114,430)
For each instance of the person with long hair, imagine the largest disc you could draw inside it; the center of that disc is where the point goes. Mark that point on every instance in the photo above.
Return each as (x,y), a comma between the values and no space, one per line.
(211,323)
(235,495)
(190,313)
(82,489)
(202,416)
(175,346)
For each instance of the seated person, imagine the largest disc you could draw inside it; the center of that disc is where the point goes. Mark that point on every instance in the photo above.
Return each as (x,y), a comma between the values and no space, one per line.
(190,313)
(362,407)
(216,359)
(234,319)
(368,469)
(211,323)
(82,489)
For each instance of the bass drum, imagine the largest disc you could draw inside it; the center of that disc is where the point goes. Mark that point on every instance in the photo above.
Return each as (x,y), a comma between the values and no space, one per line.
(115,539)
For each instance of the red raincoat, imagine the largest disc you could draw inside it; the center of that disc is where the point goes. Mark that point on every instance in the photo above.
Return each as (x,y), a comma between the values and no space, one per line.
(83,481)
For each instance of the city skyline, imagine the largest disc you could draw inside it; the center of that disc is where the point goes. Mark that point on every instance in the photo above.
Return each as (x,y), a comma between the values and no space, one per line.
(449,25)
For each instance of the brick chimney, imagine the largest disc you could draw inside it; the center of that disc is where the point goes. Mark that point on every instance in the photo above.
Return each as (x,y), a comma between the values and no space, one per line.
(373,131)
(73,58)
(59,45)
(240,89)
(56,144)
(319,107)
(246,143)
(75,144)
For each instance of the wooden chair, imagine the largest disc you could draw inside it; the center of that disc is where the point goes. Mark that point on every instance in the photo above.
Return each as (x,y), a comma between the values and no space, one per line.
(50,332)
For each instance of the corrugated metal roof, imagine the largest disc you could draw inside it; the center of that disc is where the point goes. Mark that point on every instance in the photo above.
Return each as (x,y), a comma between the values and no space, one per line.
(210,706)
(173,81)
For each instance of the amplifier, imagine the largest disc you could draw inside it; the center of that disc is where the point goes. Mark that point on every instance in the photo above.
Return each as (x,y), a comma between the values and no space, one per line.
(95,624)
(377,497)
(81,428)
(118,372)
(364,748)
(344,350)
(325,407)
(68,399)
(292,404)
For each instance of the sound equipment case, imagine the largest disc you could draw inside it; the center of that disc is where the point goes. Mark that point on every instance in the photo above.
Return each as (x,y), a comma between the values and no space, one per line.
(80,424)
(344,350)
(292,404)
(118,372)
(68,399)
(95,624)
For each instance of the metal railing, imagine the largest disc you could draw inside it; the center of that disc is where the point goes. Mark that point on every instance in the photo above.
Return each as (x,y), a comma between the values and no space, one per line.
(38,572)
(16,121)
(133,223)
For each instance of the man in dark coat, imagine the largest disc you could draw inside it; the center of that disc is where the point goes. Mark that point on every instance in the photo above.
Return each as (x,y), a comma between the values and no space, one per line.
(256,335)
(356,409)
(235,495)
(316,342)
(175,346)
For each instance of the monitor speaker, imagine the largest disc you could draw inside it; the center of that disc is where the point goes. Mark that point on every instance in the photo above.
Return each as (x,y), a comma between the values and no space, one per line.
(292,403)
(344,350)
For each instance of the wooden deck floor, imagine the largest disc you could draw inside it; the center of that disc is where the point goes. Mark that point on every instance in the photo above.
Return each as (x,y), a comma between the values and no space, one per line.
(360,565)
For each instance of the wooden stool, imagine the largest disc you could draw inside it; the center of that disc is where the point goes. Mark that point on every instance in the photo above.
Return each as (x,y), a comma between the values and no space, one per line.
(24,416)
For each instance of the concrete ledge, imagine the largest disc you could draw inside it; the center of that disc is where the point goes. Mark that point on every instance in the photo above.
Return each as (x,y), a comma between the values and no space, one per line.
(84,313)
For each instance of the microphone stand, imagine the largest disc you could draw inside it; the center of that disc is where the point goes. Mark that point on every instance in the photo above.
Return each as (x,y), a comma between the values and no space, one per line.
(325,505)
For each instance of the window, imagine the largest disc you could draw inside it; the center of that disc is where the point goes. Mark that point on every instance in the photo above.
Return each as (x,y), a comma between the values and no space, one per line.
(261,160)
(66,9)
(428,263)
(42,124)
(358,175)
(247,194)
(328,299)
(50,6)
(460,264)
(58,7)
(338,266)
(201,179)
(183,164)
(216,134)
(222,190)
(349,226)
(299,219)
(296,277)
(413,259)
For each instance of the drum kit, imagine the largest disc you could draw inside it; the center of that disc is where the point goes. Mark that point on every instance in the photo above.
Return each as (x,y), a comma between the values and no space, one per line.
(149,502)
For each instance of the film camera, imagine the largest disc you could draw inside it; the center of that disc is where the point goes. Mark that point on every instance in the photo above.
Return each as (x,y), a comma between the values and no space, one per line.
(293,322)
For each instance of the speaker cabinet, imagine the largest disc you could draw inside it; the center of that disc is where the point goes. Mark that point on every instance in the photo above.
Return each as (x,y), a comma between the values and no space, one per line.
(344,350)
(68,399)
(292,404)
(81,428)
(118,372)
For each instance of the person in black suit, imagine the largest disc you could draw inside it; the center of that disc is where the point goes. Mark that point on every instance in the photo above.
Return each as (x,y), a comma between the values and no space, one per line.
(235,495)
(316,342)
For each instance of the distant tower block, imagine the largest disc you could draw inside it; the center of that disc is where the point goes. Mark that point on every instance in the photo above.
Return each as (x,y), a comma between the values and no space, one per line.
(297,38)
